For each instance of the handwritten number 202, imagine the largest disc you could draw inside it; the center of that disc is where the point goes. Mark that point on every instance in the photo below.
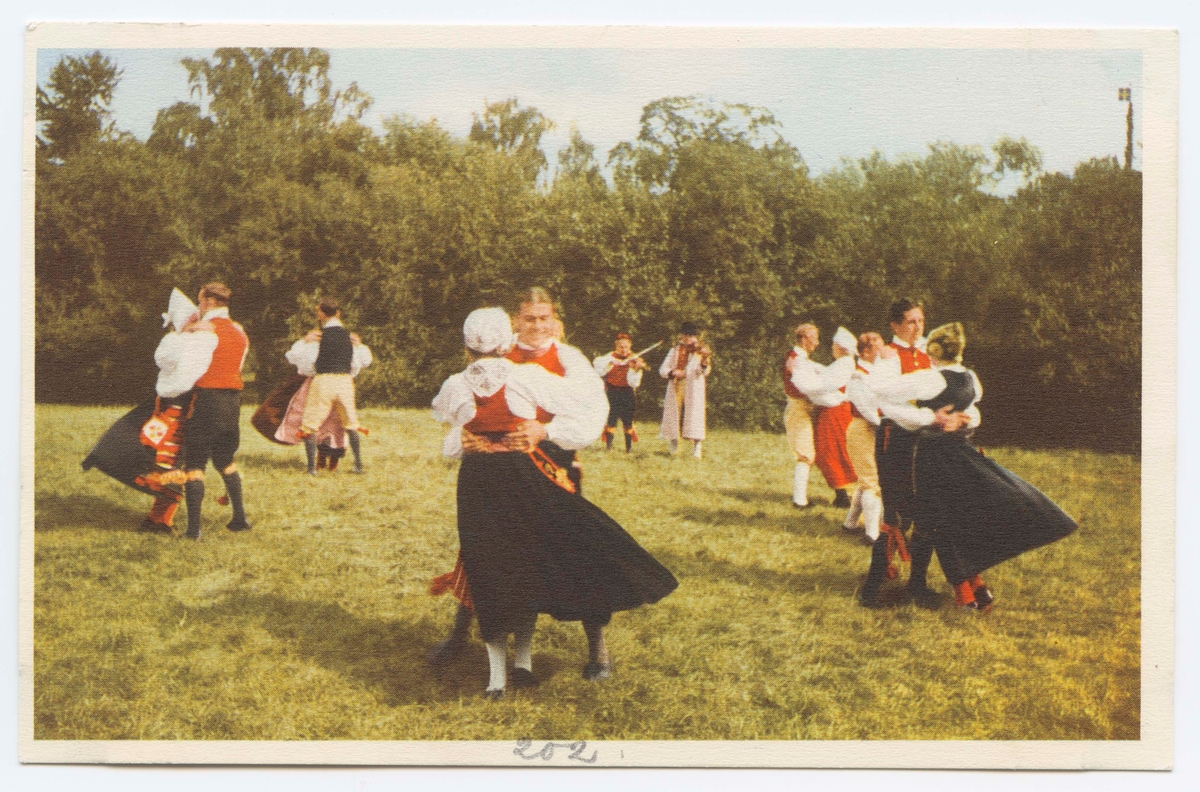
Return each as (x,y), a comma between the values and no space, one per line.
(547,753)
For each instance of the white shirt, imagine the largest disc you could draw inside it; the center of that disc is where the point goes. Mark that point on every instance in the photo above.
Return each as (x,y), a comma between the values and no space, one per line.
(579,420)
(527,387)
(861,395)
(303,354)
(821,385)
(182,359)
(605,363)
(897,392)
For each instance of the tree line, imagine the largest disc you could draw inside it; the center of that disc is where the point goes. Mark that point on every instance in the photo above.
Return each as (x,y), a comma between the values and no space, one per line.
(270,181)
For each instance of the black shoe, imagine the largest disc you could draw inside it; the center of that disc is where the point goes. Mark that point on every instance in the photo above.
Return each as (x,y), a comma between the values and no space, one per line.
(312,471)
(870,601)
(594,672)
(238,527)
(801,505)
(522,678)
(925,597)
(841,499)
(851,529)
(358,470)
(493,695)
(194,536)
(444,652)
(153,526)
(868,541)
(984,598)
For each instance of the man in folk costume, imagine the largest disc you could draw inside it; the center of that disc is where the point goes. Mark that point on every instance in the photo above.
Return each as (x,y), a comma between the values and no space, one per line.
(213,431)
(829,428)
(867,503)
(143,448)
(529,543)
(893,451)
(333,357)
(538,341)
(622,376)
(810,387)
(686,369)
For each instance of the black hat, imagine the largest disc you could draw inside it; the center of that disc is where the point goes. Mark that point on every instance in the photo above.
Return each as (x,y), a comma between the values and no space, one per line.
(689,328)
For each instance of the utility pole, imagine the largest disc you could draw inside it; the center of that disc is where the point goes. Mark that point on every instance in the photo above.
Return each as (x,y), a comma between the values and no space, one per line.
(1126,95)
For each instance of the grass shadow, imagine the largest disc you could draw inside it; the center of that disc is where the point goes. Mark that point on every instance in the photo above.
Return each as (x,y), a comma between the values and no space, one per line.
(58,512)
(388,657)
(809,522)
(758,577)
(293,461)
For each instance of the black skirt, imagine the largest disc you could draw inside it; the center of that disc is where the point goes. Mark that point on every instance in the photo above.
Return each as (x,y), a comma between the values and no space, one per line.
(980,513)
(530,546)
(121,454)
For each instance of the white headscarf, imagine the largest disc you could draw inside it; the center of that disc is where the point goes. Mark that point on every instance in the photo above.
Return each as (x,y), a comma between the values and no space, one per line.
(179,310)
(845,339)
(488,331)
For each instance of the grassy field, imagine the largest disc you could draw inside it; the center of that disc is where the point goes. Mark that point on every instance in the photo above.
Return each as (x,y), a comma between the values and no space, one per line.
(315,624)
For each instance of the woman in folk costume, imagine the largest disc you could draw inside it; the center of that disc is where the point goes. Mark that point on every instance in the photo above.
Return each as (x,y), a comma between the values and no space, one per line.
(686,369)
(867,503)
(528,543)
(829,428)
(539,340)
(810,388)
(978,513)
(142,449)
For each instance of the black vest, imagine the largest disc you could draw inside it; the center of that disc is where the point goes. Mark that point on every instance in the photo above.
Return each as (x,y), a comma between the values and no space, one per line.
(959,391)
(336,351)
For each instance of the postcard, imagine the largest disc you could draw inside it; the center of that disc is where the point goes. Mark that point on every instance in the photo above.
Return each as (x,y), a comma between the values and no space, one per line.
(598,397)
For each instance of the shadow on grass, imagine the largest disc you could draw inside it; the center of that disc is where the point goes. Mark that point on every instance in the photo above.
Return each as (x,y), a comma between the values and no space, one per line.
(289,459)
(810,522)
(56,512)
(766,580)
(387,657)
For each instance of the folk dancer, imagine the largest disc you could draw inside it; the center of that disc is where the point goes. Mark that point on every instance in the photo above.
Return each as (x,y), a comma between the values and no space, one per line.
(332,357)
(143,448)
(539,333)
(622,376)
(213,431)
(829,428)
(867,503)
(809,386)
(686,369)
(529,543)
(976,513)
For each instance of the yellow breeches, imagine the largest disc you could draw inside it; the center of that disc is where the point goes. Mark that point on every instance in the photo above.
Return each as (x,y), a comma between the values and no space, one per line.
(860,445)
(329,392)
(797,423)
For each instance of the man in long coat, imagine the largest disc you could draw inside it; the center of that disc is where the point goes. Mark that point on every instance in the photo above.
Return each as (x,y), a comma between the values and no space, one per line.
(686,369)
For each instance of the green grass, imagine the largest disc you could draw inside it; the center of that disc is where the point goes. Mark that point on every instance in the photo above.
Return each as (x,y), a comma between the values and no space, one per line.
(315,625)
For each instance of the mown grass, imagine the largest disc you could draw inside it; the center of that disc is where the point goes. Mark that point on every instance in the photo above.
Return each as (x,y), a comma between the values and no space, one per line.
(315,625)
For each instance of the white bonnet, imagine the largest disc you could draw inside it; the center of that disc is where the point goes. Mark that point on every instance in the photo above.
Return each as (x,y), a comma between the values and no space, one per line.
(179,310)
(488,331)
(845,339)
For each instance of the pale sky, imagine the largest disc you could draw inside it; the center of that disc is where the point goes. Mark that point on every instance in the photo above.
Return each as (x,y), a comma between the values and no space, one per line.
(831,103)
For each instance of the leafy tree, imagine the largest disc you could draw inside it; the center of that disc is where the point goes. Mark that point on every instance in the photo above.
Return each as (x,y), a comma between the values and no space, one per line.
(73,108)
(513,130)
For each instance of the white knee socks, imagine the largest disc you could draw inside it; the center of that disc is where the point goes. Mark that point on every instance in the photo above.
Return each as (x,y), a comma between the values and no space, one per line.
(497,657)
(856,509)
(872,510)
(800,484)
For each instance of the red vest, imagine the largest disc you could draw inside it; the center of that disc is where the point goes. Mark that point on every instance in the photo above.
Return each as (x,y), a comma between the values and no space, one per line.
(225,370)
(547,359)
(492,415)
(616,375)
(788,387)
(911,358)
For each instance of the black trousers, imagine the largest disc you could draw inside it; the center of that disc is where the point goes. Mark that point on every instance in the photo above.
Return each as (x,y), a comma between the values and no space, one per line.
(213,431)
(620,405)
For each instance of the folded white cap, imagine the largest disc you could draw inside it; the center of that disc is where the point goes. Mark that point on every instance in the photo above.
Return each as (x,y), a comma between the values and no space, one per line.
(845,339)
(488,331)
(179,310)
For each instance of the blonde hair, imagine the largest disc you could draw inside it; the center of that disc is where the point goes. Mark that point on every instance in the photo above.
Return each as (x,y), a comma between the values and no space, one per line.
(946,343)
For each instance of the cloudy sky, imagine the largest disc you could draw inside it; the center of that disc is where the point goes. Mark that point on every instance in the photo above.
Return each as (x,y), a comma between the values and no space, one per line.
(832,103)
